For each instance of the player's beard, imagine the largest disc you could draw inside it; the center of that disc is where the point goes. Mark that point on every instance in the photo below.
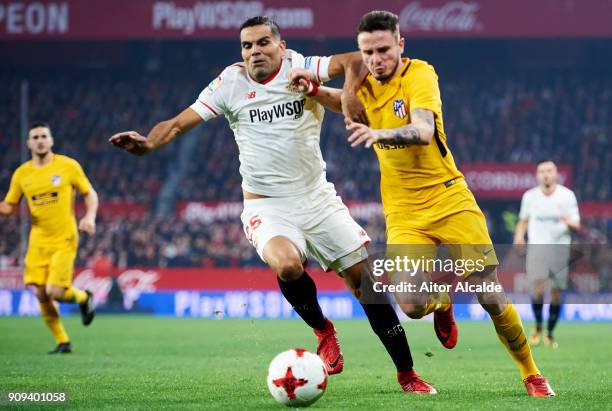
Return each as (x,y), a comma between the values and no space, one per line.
(262,72)
(260,75)
(42,155)
(386,77)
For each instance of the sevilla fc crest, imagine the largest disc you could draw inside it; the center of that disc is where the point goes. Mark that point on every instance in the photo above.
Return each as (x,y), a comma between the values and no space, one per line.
(56,180)
(399,108)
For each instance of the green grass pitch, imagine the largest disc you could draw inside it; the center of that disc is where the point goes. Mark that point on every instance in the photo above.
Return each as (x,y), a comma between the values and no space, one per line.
(127,362)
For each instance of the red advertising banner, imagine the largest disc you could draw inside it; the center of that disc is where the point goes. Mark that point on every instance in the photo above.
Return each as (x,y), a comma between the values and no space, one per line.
(135,281)
(172,279)
(361,210)
(116,209)
(150,19)
(496,181)
(600,210)
(211,211)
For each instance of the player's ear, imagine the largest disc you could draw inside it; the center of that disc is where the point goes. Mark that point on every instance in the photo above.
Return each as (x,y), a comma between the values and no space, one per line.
(401,44)
(282,44)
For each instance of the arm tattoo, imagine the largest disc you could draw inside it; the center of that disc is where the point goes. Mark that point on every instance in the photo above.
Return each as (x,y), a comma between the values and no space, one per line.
(407,136)
(410,134)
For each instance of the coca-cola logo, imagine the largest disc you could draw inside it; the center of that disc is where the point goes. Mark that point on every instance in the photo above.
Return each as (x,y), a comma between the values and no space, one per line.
(453,16)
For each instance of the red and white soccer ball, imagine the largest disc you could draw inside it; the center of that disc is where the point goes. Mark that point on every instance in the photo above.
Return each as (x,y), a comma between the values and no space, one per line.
(297,377)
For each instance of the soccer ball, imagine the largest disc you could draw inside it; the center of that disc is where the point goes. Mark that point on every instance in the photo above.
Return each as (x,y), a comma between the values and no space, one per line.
(297,377)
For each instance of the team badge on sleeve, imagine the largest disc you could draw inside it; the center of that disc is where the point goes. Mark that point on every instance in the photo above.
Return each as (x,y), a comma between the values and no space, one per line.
(214,84)
(399,108)
(56,180)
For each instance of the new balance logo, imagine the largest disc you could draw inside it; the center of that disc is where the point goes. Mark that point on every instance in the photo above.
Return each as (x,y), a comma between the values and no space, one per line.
(250,95)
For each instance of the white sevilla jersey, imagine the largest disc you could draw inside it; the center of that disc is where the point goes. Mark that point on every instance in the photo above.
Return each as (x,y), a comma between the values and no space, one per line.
(543,213)
(277,131)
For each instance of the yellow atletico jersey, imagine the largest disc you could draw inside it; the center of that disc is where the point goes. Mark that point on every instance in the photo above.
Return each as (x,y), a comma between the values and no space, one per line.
(411,175)
(50,192)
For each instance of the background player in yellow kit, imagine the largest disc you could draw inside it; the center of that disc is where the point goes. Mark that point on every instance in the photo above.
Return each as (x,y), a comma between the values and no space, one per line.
(48,182)
(425,197)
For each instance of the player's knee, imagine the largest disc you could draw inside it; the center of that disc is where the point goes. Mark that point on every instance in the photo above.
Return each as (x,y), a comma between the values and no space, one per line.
(289,269)
(538,288)
(56,293)
(414,311)
(355,290)
(555,297)
(353,279)
(41,294)
(488,273)
(492,304)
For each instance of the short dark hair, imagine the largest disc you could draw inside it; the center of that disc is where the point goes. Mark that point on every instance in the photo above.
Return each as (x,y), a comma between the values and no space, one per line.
(379,20)
(39,124)
(544,160)
(262,20)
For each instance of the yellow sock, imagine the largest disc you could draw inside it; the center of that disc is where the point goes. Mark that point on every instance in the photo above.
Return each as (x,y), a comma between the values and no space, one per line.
(438,302)
(74,295)
(51,316)
(512,334)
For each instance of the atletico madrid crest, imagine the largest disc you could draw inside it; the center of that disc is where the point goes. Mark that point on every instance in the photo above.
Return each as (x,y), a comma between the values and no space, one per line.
(399,108)
(56,180)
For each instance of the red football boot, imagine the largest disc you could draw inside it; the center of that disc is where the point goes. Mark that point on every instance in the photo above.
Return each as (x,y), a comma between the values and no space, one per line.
(413,384)
(446,327)
(538,386)
(329,349)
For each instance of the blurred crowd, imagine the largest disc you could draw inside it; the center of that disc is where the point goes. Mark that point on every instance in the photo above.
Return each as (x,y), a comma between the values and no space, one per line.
(565,117)
(510,118)
(149,241)
(83,114)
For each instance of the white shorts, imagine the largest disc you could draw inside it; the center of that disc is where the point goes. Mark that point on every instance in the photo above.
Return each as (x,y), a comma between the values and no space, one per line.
(549,262)
(318,223)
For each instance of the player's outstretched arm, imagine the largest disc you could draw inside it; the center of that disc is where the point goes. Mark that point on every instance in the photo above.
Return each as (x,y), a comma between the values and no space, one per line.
(88,222)
(420,131)
(301,81)
(351,65)
(6,208)
(13,196)
(160,135)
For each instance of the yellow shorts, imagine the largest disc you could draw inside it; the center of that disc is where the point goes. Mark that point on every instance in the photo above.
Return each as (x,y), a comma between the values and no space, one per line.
(455,221)
(49,265)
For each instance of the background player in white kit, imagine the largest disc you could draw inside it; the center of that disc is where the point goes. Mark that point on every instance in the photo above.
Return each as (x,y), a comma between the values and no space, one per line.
(289,207)
(549,212)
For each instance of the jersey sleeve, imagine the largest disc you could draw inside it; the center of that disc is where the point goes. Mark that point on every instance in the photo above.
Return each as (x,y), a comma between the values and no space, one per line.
(423,89)
(14,193)
(210,102)
(318,66)
(525,212)
(79,180)
(573,212)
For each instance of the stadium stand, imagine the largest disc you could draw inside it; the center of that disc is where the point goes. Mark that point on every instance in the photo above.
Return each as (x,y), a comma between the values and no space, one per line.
(499,117)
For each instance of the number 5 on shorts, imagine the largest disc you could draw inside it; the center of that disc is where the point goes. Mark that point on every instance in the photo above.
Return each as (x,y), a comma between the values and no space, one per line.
(254,222)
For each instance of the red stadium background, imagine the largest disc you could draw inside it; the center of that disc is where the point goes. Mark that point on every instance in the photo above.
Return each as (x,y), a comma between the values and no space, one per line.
(142,19)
